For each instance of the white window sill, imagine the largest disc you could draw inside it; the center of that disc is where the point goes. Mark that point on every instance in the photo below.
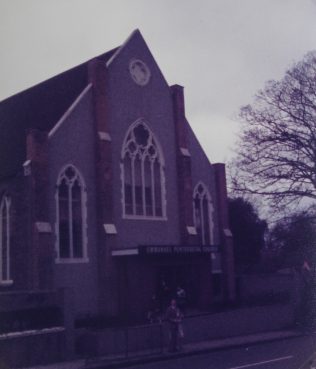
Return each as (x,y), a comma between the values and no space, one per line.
(72,261)
(6,283)
(144,217)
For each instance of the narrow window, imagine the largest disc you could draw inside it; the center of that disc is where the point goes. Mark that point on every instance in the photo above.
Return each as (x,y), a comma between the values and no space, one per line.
(202,212)
(5,240)
(71,216)
(157,180)
(138,186)
(197,219)
(77,229)
(148,187)
(143,180)
(64,240)
(128,185)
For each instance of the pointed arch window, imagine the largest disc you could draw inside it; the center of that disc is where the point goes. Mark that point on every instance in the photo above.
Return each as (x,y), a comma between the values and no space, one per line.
(203,214)
(5,205)
(71,216)
(143,178)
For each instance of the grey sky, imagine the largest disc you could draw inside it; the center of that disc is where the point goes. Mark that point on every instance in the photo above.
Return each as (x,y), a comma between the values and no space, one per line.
(222,51)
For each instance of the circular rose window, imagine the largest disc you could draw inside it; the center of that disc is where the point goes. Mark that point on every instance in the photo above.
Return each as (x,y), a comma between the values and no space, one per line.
(139,72)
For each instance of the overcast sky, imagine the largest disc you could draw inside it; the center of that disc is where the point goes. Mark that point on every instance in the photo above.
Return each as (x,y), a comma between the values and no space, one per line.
(221,51)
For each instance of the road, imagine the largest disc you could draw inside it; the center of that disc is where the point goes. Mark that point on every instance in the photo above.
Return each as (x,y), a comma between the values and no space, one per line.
(282,354)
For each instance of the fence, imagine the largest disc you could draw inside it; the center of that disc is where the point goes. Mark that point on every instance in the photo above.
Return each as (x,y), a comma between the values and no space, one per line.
(152,339)
(122,342)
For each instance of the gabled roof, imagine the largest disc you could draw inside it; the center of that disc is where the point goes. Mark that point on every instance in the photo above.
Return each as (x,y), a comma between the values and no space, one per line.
(40,107)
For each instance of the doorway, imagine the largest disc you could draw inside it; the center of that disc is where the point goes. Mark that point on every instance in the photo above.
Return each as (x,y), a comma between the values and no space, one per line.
(170,277)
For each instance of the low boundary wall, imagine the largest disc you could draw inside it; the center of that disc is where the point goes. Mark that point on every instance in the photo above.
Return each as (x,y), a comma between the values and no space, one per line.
(153,338)
(29,348)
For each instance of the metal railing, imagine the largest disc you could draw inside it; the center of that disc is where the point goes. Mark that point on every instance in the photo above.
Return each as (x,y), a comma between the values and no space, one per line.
(144,340)
(125,342)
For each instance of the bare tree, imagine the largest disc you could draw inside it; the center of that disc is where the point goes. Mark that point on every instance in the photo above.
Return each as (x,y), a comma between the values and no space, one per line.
(277,149)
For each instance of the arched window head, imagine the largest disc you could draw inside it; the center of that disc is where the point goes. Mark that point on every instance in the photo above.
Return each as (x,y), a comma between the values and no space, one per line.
(5,204)
(203,214)
(71,216)
(143,178)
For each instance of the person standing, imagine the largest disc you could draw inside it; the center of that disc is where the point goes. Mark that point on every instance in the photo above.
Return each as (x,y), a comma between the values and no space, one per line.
(181,299)
(173,317)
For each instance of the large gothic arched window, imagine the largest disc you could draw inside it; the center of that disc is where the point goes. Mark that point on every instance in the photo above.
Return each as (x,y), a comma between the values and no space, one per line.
(143,180)
(5,204)
(203,211)
(71,216)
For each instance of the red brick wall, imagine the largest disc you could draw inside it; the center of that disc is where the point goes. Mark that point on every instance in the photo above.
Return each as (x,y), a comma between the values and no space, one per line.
(41,244)
(226,240)
(185,190)
(104,190)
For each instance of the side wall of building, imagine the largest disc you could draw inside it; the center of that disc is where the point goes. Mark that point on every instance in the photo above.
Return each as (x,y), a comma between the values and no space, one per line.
(203,172)
(74,143)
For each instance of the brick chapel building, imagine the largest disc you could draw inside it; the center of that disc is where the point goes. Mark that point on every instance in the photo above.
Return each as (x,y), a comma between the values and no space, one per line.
(106,192)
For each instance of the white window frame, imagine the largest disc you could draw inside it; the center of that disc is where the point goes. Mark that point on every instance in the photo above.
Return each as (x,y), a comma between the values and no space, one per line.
(159,156)
(71,259)
(5,206)
(201,195)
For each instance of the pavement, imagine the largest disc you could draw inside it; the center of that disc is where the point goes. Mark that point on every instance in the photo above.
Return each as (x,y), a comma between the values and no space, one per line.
(187,350)
(310,363)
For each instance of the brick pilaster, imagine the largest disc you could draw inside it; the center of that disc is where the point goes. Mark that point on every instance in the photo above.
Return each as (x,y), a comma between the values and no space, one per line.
(104,185)
(41,248)
(185,191)
(225,235)
(98,78)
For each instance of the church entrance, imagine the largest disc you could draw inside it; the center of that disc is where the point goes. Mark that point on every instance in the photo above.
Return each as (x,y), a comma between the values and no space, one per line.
(169,278)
